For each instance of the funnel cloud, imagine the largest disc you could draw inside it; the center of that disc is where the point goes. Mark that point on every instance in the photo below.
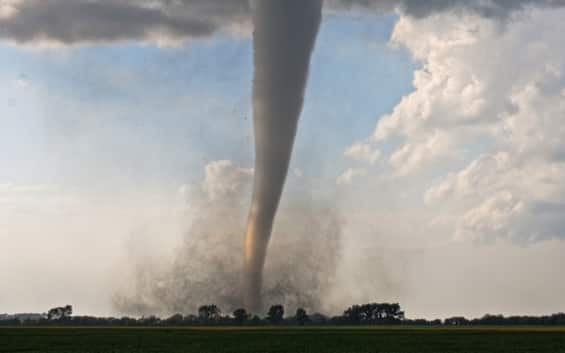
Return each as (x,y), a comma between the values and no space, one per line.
(285,32)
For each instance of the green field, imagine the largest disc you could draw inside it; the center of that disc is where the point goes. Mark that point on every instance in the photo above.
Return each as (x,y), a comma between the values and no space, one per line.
(285,339)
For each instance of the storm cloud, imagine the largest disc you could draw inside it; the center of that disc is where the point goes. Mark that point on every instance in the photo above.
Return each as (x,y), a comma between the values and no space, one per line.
(86,21)
(70,22)
(418,8)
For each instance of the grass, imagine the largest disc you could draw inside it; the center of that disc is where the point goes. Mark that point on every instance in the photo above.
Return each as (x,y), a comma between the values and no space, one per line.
(283,339)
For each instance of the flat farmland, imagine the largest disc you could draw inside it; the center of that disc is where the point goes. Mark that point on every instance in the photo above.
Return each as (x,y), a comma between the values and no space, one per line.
(282,339)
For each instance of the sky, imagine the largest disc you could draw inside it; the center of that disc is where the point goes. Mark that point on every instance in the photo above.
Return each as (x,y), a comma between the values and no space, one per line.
(435,137)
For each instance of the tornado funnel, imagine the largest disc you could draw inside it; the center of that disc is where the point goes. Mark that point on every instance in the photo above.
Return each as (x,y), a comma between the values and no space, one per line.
(285,33)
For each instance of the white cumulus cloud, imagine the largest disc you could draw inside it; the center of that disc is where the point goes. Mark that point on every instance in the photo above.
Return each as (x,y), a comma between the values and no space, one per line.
(481,134)
(363,151)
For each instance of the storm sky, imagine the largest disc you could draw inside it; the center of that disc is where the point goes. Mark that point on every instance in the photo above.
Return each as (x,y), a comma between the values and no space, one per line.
(435,133)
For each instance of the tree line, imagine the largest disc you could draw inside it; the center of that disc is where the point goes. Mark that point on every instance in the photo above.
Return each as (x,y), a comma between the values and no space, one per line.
(211,315)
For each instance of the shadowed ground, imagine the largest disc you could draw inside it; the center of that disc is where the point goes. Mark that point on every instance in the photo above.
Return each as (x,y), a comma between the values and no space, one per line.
(286,339)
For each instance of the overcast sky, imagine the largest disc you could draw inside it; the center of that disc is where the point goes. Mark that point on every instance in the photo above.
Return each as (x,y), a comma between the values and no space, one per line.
(435,133)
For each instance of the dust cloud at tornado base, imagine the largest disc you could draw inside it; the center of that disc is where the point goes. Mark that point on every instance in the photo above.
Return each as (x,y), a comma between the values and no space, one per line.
(301,270)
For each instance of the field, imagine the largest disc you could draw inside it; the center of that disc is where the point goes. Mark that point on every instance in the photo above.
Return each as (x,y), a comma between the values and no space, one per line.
(284,339)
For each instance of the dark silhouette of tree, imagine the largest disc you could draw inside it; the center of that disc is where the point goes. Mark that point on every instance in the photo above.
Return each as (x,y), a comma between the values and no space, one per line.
(456,321)
(373,313)
(353,314)
(209,313)
(60,313)
(240,316)
(301,316)
(276,314)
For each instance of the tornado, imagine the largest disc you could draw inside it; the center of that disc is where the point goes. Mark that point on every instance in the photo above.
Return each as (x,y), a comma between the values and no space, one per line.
(283,40)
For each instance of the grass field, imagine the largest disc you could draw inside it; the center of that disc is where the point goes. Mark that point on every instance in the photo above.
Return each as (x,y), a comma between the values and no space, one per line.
(285,339)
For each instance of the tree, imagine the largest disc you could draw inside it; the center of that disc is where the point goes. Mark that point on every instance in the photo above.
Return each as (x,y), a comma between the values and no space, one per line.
(240,316)
(353,314)
(456,321)
(208,312)
(301,317)
(60,313)
(275,314)
(374,313)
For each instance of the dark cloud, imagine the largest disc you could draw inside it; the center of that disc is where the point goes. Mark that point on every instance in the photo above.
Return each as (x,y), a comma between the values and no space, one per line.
(75,21)
(419,8)
(70,22)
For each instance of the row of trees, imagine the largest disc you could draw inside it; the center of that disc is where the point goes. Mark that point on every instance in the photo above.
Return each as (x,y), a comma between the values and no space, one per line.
(373,313)
(365,314)
(555,319)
